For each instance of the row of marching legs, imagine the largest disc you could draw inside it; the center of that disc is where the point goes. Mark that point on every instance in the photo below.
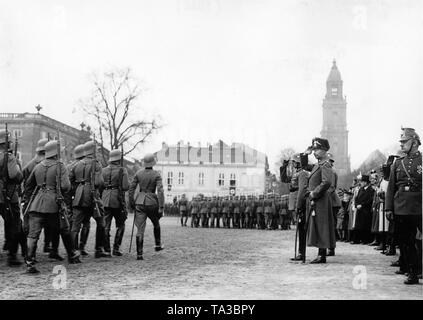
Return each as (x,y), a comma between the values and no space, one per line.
(239,221)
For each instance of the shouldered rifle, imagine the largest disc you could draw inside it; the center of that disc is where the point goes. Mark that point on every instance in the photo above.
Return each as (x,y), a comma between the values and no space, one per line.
(98,210)
(63,209)
(121,193)
(5,174)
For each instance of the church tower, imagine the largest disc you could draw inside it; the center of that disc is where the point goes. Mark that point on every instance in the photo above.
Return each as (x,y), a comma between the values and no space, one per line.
(335,121)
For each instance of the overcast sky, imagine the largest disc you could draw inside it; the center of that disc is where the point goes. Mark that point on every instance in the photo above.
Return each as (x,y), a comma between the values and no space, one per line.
(238,70)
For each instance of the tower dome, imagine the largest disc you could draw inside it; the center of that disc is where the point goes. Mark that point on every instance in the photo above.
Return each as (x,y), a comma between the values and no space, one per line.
(334,74)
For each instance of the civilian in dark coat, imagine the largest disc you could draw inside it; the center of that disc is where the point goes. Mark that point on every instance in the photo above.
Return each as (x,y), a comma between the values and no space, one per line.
(363,203)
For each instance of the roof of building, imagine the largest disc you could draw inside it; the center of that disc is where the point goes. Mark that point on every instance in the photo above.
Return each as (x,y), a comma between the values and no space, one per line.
(218,153)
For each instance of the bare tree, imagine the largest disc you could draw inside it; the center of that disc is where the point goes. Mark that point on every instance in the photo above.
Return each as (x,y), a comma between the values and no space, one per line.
(113,106)
(284,154)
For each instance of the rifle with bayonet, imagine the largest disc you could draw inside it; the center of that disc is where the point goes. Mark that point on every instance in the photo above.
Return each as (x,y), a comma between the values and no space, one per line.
(98,208)
(63,209)
(121,193)
(5,174)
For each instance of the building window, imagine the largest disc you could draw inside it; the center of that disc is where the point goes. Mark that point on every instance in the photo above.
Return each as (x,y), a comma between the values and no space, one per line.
(170,178)
(232,180)
(17,133)
(201,179)
(180,178)
(334,91)
(221,181)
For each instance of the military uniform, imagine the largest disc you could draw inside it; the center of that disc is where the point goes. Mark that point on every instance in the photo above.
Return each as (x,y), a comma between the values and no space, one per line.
(213,212)
(85,172)
(404,199)
(194,210)
(43,211)
(115,184)
(260,212)
(147,203)
(236,212)
(10,178)
(183,210)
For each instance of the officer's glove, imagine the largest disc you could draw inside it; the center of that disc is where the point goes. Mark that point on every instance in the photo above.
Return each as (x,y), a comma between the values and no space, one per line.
(160,212)
(389,215)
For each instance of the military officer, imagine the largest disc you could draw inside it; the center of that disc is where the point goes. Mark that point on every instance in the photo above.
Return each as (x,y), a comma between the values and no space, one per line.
(404,200)
(44,210)
(183,210)
(115,184)
(86,202)
(320,224)
(147,203)
(10,178)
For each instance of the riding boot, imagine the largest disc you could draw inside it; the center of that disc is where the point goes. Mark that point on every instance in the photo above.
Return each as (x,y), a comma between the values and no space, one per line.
(321,257)
(54,252)
(157,240)
(118,241)
(83,238)
(73,255)
(412,276)
(139,242)
(30,263)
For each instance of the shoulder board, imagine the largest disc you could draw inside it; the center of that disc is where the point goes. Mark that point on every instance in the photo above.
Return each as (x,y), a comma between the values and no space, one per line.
(326,163)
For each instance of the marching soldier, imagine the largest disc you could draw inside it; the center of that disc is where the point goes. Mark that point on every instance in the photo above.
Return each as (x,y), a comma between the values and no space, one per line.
(195,210)
(147,203)
(44,209)
(213,212)
(236,212)
(116,183)
(404,200)
(183,210)
(203,211)
(78,154)
(26,171)
(10,178)
(259,212)
(242,212)
(87,175)
(320,224)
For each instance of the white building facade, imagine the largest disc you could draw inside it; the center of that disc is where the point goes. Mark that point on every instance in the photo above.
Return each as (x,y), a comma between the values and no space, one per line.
(215,170)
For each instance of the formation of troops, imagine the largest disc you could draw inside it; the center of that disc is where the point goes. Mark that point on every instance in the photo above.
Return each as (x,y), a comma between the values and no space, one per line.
(265,212)
(382,208)
(62,199)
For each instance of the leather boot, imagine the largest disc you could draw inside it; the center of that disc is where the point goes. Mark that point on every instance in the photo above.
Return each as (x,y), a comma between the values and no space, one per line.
(412,276)
(331,252)
(85,230)
(158,246)
(139,242)
(299,257)
(118,240)
(73,255)
(321,258)
(30,263)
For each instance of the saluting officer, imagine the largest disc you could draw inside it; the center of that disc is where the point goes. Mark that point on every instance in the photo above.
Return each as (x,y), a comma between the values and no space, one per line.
(44,210)
(10,178)
(146,202)
(84,202)
(321,230)
(115,184)
(404,200)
